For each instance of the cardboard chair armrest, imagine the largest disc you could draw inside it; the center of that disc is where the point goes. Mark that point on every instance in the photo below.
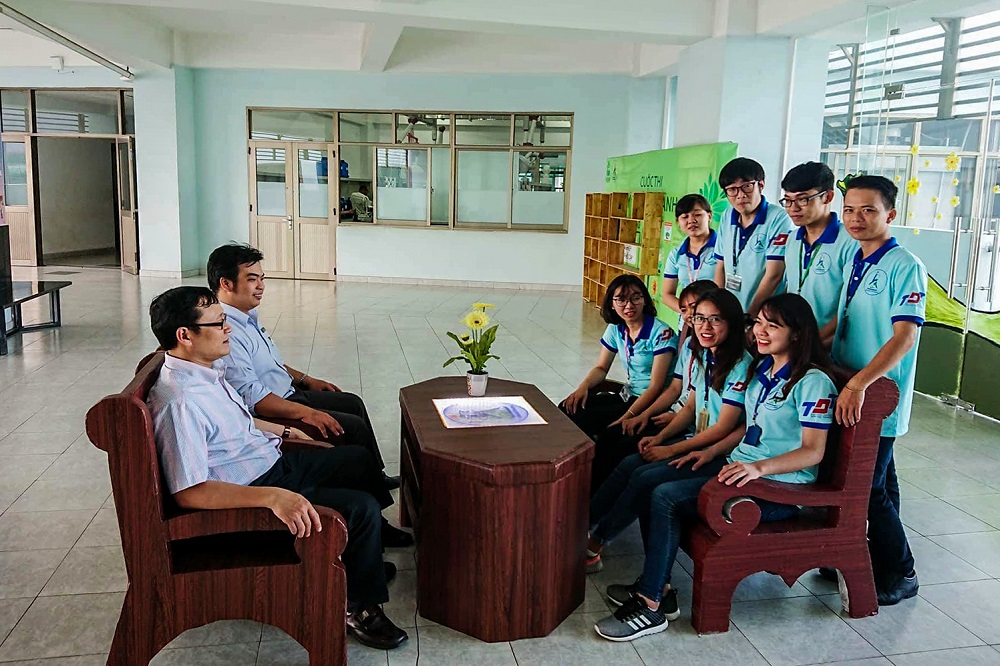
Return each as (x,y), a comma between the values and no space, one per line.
(720,507)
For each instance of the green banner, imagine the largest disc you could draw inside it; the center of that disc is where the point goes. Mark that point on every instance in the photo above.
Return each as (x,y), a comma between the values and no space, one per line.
(675,172)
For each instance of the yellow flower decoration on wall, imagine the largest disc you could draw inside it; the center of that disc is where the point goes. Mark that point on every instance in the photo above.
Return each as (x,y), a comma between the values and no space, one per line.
(952,162)
(954,182)
(914,150)
(927,163)
(934,200)
(898,178)
(955,200)
(938,216)
(910,215)
(912,187)
(996,189)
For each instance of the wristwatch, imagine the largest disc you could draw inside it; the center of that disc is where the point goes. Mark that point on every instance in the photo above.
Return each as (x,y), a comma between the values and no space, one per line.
(286,433)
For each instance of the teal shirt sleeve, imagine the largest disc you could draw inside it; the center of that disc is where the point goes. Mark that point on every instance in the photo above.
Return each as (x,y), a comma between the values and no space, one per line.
(910,295)
(779,233)
(610,339)
(670,266)
(815,397)
(735,391)
(665,339)
(725,238)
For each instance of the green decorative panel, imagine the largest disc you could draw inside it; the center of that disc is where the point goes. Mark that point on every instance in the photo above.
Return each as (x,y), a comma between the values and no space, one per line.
(979,376)
(939,360)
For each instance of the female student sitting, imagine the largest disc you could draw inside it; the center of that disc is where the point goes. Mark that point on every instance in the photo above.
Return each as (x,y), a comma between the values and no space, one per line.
(790,402)
(647,347)
(714,407)
(694,259)
(615,443)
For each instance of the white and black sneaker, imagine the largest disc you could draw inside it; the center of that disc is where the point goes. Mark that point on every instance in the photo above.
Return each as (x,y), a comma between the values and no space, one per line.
(632,620)
(619,594)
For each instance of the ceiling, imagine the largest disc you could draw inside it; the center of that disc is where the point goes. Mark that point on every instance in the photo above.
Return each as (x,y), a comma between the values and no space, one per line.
(637,37)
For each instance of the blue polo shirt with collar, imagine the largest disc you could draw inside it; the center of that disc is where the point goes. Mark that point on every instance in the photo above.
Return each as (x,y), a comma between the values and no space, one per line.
(655,338)
(746,252)
(733,391)
(816,272)
(686,267)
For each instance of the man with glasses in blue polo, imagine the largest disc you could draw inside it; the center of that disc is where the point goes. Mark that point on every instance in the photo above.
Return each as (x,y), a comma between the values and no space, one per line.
(818,251)
(752,236)
(879,316)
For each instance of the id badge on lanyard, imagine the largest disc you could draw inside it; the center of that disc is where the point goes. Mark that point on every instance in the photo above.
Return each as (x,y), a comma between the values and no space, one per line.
(701,421)
(734,282)
(626,392)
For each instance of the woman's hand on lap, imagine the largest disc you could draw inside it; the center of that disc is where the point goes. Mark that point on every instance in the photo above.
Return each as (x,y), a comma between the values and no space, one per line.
(576,400)
(664,419)
(696,458)
(635,425)
(657,453)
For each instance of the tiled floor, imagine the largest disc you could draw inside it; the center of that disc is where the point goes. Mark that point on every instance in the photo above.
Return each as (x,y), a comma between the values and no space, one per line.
(61,571)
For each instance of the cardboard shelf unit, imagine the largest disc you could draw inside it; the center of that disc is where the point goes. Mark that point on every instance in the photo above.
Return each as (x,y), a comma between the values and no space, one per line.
(620,226)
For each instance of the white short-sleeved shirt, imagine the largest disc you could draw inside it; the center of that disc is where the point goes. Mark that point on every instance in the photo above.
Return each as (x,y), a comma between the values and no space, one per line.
(764,240)
(686,267)
(655,339)
(733,392)
(810,404)
(816,272)
(888,286)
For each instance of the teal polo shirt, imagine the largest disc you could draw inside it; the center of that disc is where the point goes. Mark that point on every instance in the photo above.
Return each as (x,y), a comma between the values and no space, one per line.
(886,287)
(733,392)
(655,339)
(747,251)
(810,404)
(816,272)
(686,267)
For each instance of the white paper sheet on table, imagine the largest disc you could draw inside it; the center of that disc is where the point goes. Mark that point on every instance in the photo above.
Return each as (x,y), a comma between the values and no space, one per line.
(487,412)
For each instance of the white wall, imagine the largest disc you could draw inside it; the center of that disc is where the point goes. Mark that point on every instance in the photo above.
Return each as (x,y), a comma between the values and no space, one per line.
(77,195)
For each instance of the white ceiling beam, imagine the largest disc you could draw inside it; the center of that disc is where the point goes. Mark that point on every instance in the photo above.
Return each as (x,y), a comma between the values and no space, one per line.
(378,43)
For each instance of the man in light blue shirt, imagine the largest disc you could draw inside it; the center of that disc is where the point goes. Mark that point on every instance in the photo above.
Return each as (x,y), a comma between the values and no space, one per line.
(818,251)
(752,237)
(214,455)
(880,313)
(271,387)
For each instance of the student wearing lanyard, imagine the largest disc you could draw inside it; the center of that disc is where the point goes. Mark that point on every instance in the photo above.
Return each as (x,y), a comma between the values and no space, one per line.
(878,330)
(647,347)
(714,407)
(615,443)
(818,251)
(752,237)
(694,259)
(790,402)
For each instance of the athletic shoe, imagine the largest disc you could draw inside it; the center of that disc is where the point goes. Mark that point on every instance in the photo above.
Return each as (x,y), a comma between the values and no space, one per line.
(593,562)
(620,594)
(633,620)
(905,587)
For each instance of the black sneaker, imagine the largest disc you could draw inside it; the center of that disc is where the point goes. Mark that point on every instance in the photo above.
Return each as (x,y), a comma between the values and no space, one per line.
(620,594)
(905,588)
(633,620)
(393,537)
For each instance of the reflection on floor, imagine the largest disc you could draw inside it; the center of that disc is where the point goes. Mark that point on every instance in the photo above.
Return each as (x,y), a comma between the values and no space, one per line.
(62,576)
(91,260)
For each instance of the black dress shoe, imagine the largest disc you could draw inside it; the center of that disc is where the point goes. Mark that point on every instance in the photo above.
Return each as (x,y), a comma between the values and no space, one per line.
(391,482)
(393,537)
(372,628)
(390,572)
(826,573)
(905,587)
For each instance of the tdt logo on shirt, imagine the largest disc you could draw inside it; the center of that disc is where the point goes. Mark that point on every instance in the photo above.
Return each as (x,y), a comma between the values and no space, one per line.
(817,408)
(822,263)
(666,335)
(912,298)
(877,282)
(780,240)
(739,387)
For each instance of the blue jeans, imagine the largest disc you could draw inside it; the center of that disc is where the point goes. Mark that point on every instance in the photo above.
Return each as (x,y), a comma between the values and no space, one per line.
(887,544)
(625,495)
(671,505)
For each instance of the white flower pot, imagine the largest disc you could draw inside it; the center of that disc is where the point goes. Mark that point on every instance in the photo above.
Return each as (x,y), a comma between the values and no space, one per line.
(476,384)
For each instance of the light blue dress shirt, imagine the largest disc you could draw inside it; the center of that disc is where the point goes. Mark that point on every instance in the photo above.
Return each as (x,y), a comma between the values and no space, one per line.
(254,366)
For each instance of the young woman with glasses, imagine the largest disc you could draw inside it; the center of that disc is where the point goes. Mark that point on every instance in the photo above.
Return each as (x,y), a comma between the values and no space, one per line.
(789,404)
(646,346)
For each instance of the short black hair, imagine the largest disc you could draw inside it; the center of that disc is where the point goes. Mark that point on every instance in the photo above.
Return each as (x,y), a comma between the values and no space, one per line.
(742,168)
(697,289)
(689,202)
(177,308)
(808,176)
(879,184)
(225,262)
(622,281)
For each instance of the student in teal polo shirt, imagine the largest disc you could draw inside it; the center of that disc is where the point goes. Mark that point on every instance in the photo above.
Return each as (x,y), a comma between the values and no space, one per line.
(694,259)
(752,237)
(880,314)
(789,403)
(818,251)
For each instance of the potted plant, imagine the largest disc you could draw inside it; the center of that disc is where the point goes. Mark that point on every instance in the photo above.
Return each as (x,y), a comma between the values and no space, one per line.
(474,347)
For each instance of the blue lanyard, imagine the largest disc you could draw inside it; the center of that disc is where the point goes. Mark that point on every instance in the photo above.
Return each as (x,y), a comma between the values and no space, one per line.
(709,365)
(769,384)
(858,276)
(742,236)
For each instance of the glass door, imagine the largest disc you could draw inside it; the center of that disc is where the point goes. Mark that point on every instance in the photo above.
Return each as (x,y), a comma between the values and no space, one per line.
(128,218)
(17,201)
(271,205)
(314,225)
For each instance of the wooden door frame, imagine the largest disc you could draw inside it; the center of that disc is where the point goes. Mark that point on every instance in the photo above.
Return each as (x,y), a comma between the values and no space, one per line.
(252,146)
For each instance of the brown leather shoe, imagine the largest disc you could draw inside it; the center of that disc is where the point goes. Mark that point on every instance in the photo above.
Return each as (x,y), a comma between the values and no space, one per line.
(372,628)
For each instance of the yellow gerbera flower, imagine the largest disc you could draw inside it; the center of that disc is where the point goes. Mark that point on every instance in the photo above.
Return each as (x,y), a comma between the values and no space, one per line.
(952,162)
(914,150)
(476,320)
(482,306)
(955,200)
(912,186)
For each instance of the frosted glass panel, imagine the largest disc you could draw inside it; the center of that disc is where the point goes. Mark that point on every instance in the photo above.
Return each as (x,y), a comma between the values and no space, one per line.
(483,187)
(15,175)
(539,188)
(314,184)
(440,185)
(271,182)
(402,184)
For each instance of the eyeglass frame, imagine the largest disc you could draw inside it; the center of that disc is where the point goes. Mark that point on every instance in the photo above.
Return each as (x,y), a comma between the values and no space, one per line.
(622,302)
(800,202)
(751,184)
(711,320)
(221,325)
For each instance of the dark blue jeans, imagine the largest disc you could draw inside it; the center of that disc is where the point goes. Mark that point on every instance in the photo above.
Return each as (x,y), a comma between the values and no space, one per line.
(671,505)
(887,544)
(625,496)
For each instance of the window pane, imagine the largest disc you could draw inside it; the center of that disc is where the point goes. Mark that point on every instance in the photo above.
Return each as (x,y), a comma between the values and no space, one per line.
(13,111)
(483,187)
(402,184)
(482,130)
(538,130)
(129,112)
(440,185)
(960,134)
(291,125)
(356,168)
(76,111)
(366,128)
(423,128)
(314,184)
(15,175)
(271,182)
(539,188)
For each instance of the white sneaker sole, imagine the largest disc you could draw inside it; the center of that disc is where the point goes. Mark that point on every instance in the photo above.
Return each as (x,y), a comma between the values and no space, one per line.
(648,631)
(671,617)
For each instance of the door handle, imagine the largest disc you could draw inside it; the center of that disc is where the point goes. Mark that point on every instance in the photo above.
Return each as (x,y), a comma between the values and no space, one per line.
(288,219)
